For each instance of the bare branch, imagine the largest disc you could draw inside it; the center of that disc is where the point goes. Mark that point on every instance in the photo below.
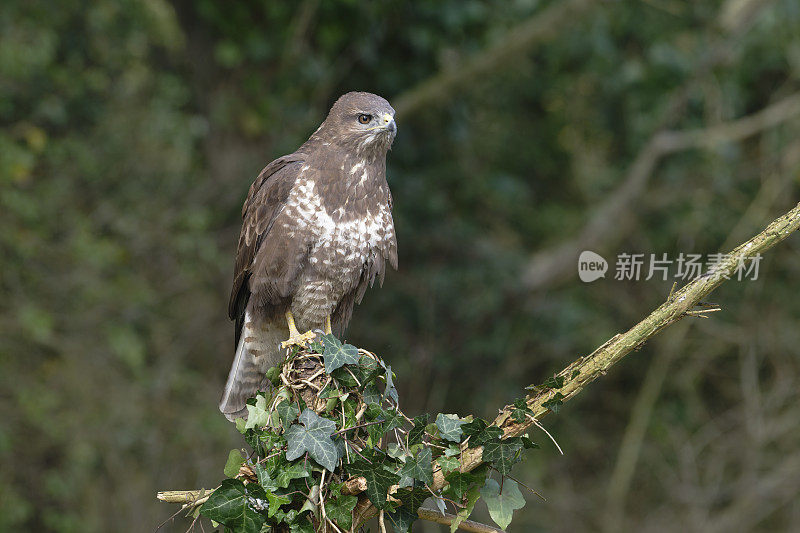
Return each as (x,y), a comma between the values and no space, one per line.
(446,519)
(587,369)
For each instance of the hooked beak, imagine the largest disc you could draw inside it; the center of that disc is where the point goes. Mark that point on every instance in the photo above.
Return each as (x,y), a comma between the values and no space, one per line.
(389,123)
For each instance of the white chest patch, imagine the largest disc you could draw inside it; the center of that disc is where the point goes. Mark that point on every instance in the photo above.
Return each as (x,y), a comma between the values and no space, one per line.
(342,245)
(342,241)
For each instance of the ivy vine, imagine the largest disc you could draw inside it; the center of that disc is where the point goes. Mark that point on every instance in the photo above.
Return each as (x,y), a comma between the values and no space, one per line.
(331,422)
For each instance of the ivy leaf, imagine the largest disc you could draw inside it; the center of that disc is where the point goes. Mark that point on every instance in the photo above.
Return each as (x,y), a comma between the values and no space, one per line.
(257,415)
(275,502)
(235,460)
(554,382)
(419,467)
(303,525)
(316,346)
(449,427)
(330,391)
(520,411)
(266,443)
(286,516)
(369,369)
(264,479)
(378,478)
(290,472)
(461,482)
(287,411)
(440,504)
(230,505)
(370,364)
(471,497)
(345,379)
(405,481)
(395,451)
(404,516)
(473,428)
(336,354)
(390,390)
(452,450)
(390,419)
(340,510)
(502,455)
(371,394)
(448,464)
(273,375)
(418,431)
(490,434)
(554,403)
(314,437)
(527,443)
(502,505)
(479,432)
(402,519)
(312,502)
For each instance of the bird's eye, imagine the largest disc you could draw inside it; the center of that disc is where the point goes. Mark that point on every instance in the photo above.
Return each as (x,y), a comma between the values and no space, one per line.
(363,118)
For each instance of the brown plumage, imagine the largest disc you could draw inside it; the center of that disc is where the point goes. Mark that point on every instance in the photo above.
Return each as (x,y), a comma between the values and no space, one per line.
(317,230)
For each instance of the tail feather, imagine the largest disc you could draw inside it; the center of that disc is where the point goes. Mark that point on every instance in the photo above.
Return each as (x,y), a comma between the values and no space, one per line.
(258,350)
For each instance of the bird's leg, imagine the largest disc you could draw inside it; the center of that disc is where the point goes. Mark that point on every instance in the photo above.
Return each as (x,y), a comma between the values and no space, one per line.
(292,326)
(295,337)
(328,329)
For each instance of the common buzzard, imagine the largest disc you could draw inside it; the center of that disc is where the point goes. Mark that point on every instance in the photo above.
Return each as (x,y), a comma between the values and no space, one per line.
(317,230)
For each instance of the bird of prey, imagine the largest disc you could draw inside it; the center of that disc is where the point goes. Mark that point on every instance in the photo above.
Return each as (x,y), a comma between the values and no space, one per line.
(317,230)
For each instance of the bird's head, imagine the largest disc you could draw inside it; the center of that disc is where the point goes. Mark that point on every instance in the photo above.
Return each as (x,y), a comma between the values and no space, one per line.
(362,123)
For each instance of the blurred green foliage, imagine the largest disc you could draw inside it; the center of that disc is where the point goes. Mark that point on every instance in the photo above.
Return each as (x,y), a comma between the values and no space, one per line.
(132,129)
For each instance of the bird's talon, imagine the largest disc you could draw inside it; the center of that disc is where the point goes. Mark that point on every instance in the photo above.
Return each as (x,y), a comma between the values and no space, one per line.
(301,339)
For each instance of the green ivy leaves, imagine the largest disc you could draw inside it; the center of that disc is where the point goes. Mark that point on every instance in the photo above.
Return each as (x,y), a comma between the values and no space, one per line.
(419,466)
(356,413)
(232,505)
(449,427)
(314,437)
(257,415)
(340,510)
(479,432)
(461,482)
(554,403)
(502,454)
(418,431)
(375,468)
(520,411)
(411,499)
(502,504)
(336,354)
(287,412)
(235,460)
(292,471)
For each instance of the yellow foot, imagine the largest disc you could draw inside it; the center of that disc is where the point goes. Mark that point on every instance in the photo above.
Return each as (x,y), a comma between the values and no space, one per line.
(295,337)
(299,339)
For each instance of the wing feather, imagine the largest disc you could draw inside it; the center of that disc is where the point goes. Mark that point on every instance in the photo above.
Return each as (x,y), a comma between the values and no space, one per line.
(264,202)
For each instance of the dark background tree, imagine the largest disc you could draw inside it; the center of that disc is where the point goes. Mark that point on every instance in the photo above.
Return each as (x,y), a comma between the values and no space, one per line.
(132,129)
